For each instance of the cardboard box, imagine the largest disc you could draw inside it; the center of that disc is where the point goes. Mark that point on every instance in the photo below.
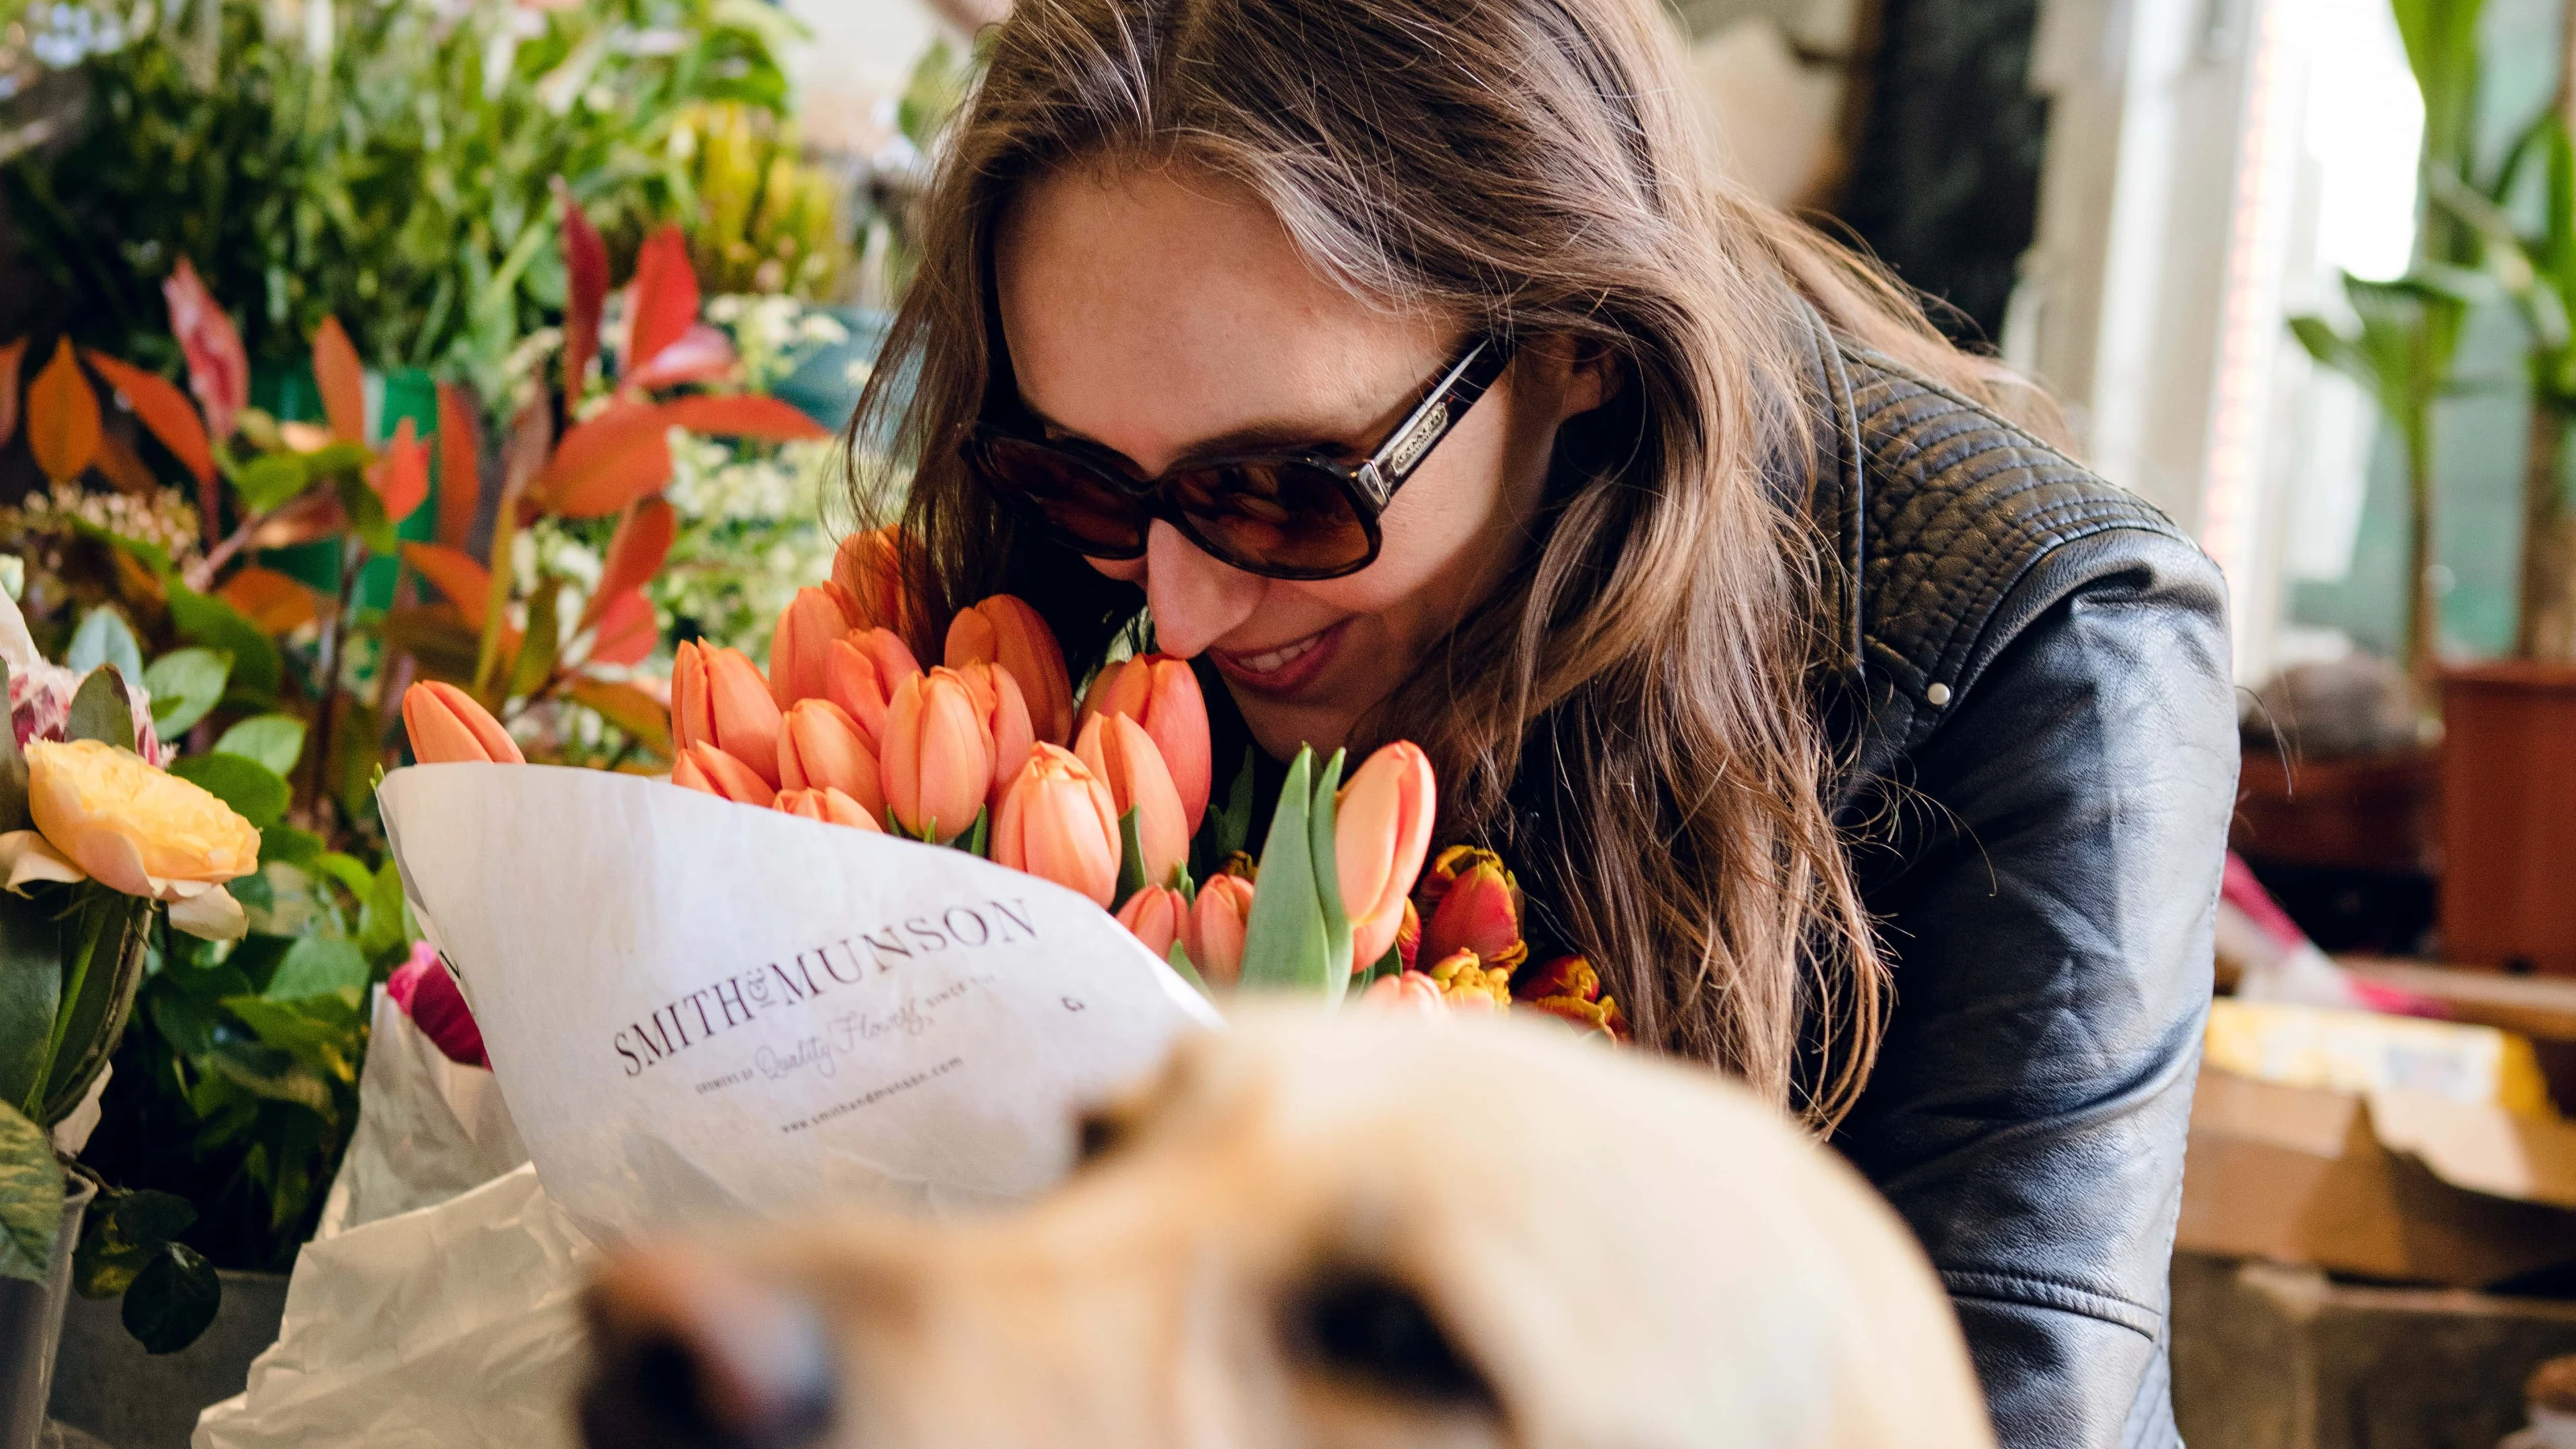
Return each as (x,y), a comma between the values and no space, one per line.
(2397,1185)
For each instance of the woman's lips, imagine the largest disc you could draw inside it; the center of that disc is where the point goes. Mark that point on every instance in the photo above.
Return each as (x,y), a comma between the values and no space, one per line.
(1281,668)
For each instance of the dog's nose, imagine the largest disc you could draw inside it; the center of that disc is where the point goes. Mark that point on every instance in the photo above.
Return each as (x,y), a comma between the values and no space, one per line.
(688,1352)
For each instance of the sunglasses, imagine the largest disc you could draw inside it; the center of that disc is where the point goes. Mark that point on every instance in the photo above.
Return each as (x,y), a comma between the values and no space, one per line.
(1286,515)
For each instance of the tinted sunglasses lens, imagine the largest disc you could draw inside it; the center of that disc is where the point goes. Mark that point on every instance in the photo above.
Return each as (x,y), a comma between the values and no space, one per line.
(1284,518)
(1079,503)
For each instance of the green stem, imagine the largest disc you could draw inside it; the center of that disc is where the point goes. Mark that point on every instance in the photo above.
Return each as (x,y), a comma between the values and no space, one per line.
(94,918)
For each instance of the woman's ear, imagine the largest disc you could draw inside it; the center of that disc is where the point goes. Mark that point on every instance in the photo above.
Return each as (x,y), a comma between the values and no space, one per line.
(1592,374)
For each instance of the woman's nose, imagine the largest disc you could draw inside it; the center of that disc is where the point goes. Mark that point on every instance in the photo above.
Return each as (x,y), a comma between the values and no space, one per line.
(688,1352)
(1196,600)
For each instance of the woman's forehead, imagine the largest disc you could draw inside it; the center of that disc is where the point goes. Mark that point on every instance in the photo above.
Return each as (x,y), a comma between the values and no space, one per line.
(1154,310)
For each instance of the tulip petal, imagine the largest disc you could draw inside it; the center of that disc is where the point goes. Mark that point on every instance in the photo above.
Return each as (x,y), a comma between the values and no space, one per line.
(692,717)
(731,778)
(746,714)
(210,915)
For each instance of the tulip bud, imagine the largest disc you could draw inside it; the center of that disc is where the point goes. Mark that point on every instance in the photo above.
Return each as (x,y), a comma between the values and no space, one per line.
(1118,750)
(1411,991)
(1475,905)
(807,629)
(828,805)
(1004,630)
(692,716)
(1408,938)
(935,760)
(721,775)
(868,568)
(1056,822)
(1382,829)
(1217,924)
(448,726)
(1568,989)
(739,711)
(820,746)
(1156,916)
(1468,983)
(1005,712)
(861,671)
(1162,694)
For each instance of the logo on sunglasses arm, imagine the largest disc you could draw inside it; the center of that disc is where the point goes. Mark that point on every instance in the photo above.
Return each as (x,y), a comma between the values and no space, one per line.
(1417,440)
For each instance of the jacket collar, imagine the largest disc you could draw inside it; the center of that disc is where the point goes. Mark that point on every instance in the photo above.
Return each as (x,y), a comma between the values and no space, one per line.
(1832,494)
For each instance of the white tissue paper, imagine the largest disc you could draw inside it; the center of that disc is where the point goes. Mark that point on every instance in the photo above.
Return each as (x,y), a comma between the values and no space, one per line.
(428,1128)
(694,1010)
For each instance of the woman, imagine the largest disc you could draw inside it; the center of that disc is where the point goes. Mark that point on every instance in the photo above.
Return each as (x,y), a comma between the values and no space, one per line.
(1402,363)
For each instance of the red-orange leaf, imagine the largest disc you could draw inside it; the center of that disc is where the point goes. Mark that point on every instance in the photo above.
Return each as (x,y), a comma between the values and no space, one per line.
(460,465)
(585,259)
(270,600)
(9,357)
(742,415)
(401,476)
(702,354)
(635,554)
(117,463)
(664,304)
(62,417)
(159,404)
(607,462)
(342,381)
(627,630)
(459,575)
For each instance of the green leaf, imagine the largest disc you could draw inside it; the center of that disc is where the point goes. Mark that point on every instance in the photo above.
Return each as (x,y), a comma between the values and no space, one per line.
(251,788)
(258,669)
(268,481)
(543,644)
(122,1234)
(275,740)
(349,871)
(186,685)
(1328,880)
(102,710)
(1229,825)
(31,989)
(384,932)
(1283,941)
(103,638)
(318,966)
(172,1300)
(13,771)
(31,1197)
(285,842)
(1131,860)
(978,837)
(154,558)
(366,510)
(98,997)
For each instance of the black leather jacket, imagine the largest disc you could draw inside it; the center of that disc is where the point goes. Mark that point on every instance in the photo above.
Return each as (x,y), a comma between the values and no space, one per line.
(2036,673)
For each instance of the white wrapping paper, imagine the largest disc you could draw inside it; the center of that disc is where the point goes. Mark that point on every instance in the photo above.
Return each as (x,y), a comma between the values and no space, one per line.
(696,1008)
(428,1128)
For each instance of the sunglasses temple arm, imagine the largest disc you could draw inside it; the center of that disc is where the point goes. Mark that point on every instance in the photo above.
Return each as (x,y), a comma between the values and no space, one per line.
(1449,400)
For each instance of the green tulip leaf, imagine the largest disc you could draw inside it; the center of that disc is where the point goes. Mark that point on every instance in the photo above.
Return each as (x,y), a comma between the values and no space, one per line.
(317,966)
(1179,958)
(172,1299)
(121,1236)
(1321,822)
(31,990)
(186,685)
(253,790)
(275,740)
(31,1197)
(1131,860)
(257,667)
(1283,940)
(1229,825)
(104,638)
(102,710)
(13,771)
(978,838)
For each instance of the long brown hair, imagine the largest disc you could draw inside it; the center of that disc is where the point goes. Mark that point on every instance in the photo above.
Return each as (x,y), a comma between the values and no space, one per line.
(1630,718)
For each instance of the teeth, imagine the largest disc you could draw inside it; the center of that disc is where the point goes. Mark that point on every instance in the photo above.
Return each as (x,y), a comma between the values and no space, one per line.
(1281,657)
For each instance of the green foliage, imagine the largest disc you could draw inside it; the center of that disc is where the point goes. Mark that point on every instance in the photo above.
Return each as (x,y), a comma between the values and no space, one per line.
(103,638)
(31,1197)
(251,788)
(186,685)
(274,740)
(172,1300)
(1284,945)
(101,710)
(397,179)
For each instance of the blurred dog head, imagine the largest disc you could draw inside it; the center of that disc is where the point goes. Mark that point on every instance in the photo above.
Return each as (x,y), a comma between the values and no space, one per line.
(1352,1232)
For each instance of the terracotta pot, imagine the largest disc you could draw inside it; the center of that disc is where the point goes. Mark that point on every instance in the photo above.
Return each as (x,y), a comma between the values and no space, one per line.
(2509,816)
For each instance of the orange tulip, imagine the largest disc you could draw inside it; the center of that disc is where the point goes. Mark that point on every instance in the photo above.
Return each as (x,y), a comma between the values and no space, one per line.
(861,671)
(1118,750)
(807,629)
(1005,712)
(447,726)
(1570,990)
(1004,630)
(692,718)
(1465,981)
(935,759)
(1160,693)
(1056,822)
(868,568)
(1155,916)
(820,746)
(1217,924)
(828,805)
(721,775)
(1381,832)
(1411,991)
(1475,905)
(719,698)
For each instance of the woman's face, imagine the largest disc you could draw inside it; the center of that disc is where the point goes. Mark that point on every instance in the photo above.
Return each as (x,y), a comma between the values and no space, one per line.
(1165,314)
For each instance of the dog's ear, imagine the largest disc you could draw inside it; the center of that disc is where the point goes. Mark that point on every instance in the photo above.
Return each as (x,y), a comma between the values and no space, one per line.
(1370,1330)
(688,1353)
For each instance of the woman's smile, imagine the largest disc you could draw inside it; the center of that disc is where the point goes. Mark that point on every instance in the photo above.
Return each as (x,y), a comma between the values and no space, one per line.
(1281,670)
